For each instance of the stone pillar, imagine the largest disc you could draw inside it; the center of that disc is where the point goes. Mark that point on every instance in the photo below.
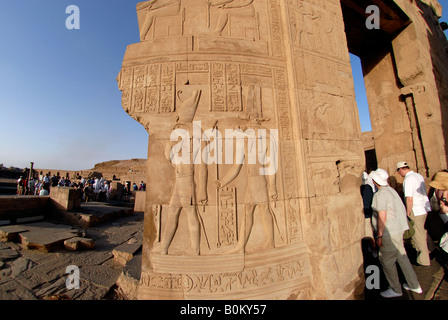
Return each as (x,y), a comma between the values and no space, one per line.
(273,211)
(406,87)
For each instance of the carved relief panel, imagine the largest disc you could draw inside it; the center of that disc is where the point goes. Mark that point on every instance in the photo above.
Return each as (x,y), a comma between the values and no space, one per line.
(205,73)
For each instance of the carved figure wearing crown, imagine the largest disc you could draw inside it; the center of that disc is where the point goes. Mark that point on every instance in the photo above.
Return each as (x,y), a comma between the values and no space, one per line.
(261,188)
(186,196)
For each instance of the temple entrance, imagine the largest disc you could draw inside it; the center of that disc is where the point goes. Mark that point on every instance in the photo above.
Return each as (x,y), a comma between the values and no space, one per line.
(372,48)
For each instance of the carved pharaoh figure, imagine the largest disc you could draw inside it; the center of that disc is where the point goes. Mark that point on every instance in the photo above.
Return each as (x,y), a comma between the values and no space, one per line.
(261,185)
(184,196)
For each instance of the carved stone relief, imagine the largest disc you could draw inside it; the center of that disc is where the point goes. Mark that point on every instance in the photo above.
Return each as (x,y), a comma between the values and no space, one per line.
(246,168)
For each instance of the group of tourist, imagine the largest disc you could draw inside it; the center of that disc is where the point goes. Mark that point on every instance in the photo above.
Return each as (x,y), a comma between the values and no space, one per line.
(390,220)
(92,189)
(42,186)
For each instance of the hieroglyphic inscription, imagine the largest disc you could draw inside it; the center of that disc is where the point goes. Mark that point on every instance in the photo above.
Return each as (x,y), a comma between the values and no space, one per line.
(228,282)
(138,91)
(225,83)
(153,89)
(287,154)
(233,87)
(126,88)
(148,88)
(276,29)
(227,223)
(217,78)
(167,90)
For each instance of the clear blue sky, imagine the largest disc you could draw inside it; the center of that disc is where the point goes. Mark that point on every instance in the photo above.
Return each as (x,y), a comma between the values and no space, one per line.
(60,106)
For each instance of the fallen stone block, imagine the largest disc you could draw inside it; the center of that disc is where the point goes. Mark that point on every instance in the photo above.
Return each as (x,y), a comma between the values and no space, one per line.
(125,252)
(11,233)
(75,243)
(46,240)
(129,279)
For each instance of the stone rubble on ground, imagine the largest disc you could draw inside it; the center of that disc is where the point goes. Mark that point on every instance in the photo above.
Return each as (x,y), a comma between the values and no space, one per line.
(34,258)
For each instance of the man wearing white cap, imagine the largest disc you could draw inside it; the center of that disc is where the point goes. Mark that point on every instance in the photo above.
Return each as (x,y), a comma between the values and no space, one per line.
(390,222)
(417,208)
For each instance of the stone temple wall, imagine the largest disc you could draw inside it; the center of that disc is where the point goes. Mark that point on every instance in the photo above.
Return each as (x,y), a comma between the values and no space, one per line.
(255,150)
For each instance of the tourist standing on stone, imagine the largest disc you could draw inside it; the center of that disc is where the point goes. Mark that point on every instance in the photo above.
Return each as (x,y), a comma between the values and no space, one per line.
(46,179)
(390,222)
(45,190)
(37,186)
(88,192)
(83,182)
(96,189)
(20,186)
(417,208)
(31,184)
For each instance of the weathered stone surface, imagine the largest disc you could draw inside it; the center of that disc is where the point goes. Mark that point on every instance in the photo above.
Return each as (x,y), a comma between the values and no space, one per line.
(100,275)
(45,241)
(94,213)
(75,243)
(12,290)
(6,253)
(20,265)
(247,67)
(129,279)
(283,68)
(10,233)
(125,252)
(32,274)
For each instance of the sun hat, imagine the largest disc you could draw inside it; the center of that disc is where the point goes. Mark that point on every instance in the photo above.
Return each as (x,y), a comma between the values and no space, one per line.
(380,176)
(440,181)
(402,164)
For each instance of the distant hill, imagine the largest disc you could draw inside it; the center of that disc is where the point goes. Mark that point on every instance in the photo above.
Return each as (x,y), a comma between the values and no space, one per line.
(133,170)
(121,164)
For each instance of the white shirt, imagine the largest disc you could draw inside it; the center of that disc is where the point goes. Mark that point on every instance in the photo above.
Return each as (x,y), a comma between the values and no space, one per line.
(414,186)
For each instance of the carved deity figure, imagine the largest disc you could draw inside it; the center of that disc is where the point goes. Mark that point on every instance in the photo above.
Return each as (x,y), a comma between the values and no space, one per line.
(306,28)
(154,9)
(184,196)
(229,8)
(261,188)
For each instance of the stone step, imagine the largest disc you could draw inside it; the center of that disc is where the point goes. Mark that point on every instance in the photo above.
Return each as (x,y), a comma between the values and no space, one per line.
(11,233)
(73,244)
(92,214)
(45,236)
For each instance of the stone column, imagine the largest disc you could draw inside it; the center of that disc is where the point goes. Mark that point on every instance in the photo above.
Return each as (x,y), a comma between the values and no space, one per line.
(272,211)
